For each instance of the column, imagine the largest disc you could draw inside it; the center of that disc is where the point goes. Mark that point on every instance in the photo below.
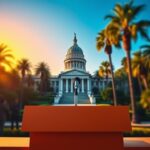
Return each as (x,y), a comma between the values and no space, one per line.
(66,85)
(82,85)
(71,85)
(61,86)
(88,86)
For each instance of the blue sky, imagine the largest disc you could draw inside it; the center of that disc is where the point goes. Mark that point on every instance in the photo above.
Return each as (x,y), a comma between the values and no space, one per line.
(46,28)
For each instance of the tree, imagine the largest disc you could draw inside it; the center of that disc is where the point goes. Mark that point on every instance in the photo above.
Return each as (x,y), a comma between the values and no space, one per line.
(121,79)
(139,69)
(145,99)
(24,67)
(42,70)
(104,70)
(30,80)
(106,94)
(5,57)
(146,55)
(106,39)
(124,64)
(124,17)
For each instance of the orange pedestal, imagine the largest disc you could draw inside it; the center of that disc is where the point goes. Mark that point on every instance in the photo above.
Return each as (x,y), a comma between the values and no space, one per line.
(76,128)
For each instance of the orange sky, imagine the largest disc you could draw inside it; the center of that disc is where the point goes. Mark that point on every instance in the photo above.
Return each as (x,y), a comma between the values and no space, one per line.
(24,43)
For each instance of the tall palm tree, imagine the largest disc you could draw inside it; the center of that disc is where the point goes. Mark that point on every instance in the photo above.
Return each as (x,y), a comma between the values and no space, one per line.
(43,71)
(5,56)
(24,66)
(139,69)
(124,16)
(106,39)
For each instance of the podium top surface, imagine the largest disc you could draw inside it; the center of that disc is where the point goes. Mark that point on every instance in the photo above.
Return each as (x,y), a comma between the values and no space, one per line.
(76,119)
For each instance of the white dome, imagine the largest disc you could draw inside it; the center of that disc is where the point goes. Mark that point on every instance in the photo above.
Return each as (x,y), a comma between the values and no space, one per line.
(75,57)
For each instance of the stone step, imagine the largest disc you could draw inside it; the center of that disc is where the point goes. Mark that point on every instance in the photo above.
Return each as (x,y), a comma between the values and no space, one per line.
(68,98)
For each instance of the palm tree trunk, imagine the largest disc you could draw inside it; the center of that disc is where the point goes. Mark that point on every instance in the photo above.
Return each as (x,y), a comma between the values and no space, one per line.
(133,103)
(113,81)
(21,93)
(145,82)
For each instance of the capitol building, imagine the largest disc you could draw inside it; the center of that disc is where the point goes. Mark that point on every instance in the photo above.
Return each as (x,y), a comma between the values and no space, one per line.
(75,67)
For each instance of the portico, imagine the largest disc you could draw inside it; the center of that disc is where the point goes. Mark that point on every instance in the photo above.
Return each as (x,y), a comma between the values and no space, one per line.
(66,82)
(68,85)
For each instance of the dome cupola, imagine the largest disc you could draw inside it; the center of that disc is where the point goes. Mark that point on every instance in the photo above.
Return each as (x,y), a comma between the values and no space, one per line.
(75,57)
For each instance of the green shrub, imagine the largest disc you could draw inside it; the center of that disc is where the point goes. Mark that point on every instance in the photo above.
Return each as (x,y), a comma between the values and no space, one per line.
(145,99)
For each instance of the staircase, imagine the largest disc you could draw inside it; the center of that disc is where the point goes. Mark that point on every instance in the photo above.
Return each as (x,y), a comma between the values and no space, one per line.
(68,98)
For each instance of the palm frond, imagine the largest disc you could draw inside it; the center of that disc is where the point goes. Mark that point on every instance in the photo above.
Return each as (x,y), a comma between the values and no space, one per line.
(118,10)
(143,33)
(136,10)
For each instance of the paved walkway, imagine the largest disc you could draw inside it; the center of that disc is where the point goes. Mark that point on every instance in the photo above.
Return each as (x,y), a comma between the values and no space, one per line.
(142,124)
(24,142)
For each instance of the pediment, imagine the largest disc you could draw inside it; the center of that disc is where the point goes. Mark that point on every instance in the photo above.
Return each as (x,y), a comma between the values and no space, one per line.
(75,73)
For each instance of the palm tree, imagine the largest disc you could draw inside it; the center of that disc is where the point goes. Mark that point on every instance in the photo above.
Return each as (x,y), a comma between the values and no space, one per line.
(5,56)
(139,69)
(124,16)
(24,66)
(104,69)
(42,70)
(106,39)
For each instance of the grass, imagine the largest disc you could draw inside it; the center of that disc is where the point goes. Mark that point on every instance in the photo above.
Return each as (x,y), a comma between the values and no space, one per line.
(138,132)
(103,105)
(7,132)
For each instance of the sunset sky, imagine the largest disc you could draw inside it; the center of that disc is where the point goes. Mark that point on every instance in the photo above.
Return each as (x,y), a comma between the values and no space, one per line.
(42,30)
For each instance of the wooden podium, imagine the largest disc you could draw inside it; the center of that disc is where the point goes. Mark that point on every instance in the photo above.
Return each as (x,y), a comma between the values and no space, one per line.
(76,127)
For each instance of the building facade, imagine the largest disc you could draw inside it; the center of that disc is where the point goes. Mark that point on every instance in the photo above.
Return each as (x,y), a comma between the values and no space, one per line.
(75,66)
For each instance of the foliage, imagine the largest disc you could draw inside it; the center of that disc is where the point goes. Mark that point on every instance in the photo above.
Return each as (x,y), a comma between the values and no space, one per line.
(24,67)
(145,99)
(43,71)
(95,90)
(138,132)
(107,38)
(104,69)
(146,55)
(125,15)
(35,98)
(106,94)
(5,57)
(123,99)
